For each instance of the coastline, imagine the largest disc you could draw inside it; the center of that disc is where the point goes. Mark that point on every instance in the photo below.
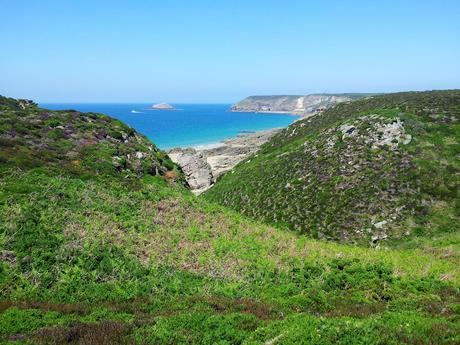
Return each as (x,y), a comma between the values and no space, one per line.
(239,139)
(207,146)
(202,164)
(291,113)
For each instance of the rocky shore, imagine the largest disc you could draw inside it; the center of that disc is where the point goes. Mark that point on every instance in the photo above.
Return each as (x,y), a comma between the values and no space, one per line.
(202,165)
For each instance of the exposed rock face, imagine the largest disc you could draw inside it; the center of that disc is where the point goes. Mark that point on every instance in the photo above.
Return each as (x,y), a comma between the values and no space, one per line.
(203,166)
(194,165)
(378,134)
(268,104)
(162,106)
(300,105)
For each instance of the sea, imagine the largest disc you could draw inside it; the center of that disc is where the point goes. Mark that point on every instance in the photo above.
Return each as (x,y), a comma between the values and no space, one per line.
(189,125)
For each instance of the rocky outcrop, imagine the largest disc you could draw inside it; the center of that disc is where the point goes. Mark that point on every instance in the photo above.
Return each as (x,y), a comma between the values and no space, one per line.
(197,171)
(203,166)
(359,172)
(299,105)
(162,106)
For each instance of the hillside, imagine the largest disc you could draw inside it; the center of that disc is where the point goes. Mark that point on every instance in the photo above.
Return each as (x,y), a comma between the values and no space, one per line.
(77,143)
(96,249)
(300,105)
(381,169)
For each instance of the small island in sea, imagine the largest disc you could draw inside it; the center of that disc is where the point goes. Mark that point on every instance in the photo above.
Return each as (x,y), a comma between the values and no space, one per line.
(162,106)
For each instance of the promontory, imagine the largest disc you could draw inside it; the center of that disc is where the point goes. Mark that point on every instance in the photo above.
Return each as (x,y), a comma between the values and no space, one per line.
(293,104)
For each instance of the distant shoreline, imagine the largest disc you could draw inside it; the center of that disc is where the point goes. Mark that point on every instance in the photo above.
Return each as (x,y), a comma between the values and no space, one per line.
(268,112)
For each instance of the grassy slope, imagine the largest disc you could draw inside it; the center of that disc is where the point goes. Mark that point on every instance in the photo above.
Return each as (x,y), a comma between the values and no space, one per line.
(111,256)
(82,144)
(318,179)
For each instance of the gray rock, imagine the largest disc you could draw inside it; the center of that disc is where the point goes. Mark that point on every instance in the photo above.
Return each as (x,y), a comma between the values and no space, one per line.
(202,166)
(348,130)
(378,237)
(196,169)
(162,106)
(380,225)
(7,255)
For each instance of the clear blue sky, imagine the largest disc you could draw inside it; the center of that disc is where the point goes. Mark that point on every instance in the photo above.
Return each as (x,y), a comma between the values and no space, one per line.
(221,51)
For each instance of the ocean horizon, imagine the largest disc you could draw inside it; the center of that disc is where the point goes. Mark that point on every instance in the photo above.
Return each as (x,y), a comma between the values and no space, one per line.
(189,125)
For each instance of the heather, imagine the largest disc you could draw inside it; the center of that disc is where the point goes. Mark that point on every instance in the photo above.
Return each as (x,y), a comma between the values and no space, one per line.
(102,250)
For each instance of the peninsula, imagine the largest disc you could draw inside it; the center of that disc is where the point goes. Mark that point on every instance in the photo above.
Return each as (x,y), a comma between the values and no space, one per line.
(294,104)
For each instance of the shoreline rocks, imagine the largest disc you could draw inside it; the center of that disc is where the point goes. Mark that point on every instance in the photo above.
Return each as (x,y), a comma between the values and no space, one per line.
(203,165)
(195,167)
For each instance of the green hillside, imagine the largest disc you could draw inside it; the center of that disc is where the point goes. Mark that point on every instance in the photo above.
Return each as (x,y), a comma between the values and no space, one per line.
(81,144)
(101,243)
(384,169)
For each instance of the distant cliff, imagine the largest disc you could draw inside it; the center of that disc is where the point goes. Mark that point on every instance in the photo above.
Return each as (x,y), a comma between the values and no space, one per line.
(295,104)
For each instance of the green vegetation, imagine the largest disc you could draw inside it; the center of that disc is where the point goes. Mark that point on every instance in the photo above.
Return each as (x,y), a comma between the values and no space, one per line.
(378,170)
(82,144)
(107,253)
(353,96)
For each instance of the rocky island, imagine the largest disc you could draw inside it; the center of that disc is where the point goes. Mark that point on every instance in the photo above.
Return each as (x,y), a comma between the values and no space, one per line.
(162,106)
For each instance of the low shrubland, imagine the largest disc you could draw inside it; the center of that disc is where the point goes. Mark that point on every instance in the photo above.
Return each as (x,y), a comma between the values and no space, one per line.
(108,254)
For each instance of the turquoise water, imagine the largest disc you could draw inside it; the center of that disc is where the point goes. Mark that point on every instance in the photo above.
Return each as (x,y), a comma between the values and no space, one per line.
(190,125)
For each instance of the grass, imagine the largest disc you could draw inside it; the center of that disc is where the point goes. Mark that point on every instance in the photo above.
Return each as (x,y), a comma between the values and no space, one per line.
(157,254)
(108,256)
(320,180)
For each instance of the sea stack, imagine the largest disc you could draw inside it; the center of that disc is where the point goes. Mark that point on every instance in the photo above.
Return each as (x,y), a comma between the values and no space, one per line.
(162,106)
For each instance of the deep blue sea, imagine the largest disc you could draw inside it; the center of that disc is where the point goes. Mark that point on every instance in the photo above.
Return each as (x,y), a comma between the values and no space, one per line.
(189,125)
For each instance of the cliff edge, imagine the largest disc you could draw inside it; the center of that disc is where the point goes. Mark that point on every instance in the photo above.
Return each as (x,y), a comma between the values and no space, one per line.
(293,104)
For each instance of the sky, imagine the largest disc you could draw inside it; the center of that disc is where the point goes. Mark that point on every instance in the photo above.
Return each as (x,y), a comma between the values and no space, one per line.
(194,51)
